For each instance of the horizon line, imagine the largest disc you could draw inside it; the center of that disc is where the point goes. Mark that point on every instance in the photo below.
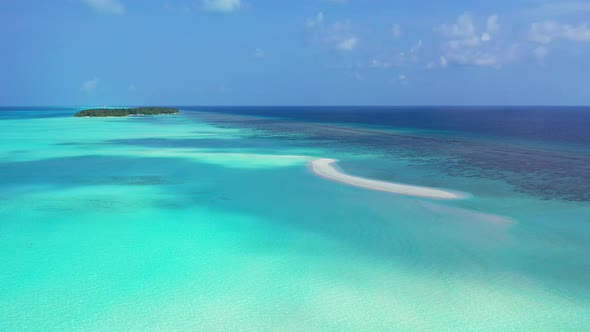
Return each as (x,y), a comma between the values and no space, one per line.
(297,106)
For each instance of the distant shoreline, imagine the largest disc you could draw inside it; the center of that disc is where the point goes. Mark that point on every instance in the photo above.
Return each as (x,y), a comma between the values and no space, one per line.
(324,167)
(123,112)
(123,116)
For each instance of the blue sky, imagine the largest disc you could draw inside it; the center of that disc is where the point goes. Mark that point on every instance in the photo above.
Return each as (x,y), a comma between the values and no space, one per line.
(306,52)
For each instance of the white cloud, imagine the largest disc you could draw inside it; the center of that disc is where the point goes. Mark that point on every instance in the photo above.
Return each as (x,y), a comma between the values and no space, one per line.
(559,8)
(396,30)
(543,32)
(493,26)
(403,79)
(463,28)
(441,63)
(222,5)
(400,59)
(547,31)
(348,44)
(106,6)
(465,33)
(315,21)
(259,53)
(465,44)
(180,9)
(337,35)
(320,17)
(90,85)
(377,63)
(541,52)
(416,47)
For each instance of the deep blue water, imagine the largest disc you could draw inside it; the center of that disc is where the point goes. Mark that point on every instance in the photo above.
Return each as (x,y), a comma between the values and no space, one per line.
(568,124)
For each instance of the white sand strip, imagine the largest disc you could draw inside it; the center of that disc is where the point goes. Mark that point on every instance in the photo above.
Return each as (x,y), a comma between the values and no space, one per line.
(324,168)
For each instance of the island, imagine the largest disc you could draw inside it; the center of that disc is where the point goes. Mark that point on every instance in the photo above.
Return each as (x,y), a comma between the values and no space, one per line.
(106,112)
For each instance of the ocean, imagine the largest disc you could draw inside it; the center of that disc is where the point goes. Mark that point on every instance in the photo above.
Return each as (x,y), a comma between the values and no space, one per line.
(213,220)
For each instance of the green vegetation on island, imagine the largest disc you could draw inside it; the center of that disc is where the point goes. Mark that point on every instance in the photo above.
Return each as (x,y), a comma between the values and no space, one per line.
(104,112)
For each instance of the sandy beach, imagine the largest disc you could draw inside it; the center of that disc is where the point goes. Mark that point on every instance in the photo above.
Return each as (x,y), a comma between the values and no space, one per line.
(324,168)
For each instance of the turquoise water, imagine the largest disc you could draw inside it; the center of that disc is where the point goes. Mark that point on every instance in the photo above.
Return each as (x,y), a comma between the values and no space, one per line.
(198,222)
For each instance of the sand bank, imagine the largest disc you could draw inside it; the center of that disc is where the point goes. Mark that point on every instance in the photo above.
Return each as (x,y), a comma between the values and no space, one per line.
(324,168)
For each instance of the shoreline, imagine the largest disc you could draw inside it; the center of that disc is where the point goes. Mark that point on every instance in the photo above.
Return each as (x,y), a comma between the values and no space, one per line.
(324,168)
(128,115)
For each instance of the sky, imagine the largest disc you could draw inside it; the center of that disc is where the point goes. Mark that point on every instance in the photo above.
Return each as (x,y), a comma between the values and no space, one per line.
(305,52)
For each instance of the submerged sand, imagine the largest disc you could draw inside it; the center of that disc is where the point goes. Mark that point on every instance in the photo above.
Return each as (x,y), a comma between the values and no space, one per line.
(324,168)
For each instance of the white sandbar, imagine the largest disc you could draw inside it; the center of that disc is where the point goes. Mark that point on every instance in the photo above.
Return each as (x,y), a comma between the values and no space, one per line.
(324,168)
